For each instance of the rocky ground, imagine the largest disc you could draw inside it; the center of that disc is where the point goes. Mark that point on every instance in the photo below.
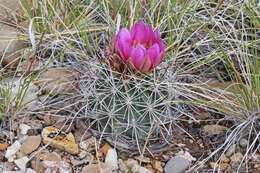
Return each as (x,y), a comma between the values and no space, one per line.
(37,143)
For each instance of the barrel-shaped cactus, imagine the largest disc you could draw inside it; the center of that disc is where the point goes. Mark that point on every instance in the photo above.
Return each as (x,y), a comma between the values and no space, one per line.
(121,99)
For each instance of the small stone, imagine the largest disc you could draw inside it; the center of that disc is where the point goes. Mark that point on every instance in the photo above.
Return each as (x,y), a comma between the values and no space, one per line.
(62,141)
(243,143)
(186,155)
(37,164)
(157,165)
(62,166)
(225,159)
(57,80)
(24,128)
(94,168)
(87,144)
(82,154)
(111,159)
(257,165)
(213,165)
(30,144)
(131,162)
(225,167)
(14,148)
(21,163)
(236,159)
(177,164)
(122,166)
(231,150)
(140,169)
(143,159)
(3,146)
(214,129)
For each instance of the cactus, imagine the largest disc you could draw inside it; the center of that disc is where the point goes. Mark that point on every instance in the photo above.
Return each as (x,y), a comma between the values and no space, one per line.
(126,106)
(122,99)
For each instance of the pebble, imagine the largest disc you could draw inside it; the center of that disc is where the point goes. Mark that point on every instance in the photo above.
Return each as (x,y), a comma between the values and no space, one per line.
(225,159)
(143,159)
(214,129)
(3,146)
(186,155)
(122,166)
(131,162)
(111,159)
(157,165)
(30,144)
(225,167)
(24,128)
(231,150)
(94,168)
(213,165)
(243,142)
(236,159)
(177,164)
(140,169)
(37,163)
(62,141)
(28,170)
(21,163)
(12,150)
(87,144)
(82,154)
(58,80)
(62,166)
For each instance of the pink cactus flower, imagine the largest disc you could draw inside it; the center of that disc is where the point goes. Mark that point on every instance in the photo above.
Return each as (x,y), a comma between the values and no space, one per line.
(141,46)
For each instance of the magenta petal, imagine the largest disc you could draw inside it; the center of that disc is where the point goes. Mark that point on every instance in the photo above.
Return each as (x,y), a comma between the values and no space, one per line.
(124,35)
(138,57)
(153,53)
(124,49)
(123,43)
(139,33)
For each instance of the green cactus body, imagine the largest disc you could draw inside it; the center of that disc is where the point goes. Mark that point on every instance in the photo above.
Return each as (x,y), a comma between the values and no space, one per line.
(128,107)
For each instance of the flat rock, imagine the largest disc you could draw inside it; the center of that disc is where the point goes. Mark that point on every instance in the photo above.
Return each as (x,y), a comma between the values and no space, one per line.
(56,80)
(11,46)
(140,169)
(9,6)
(177,164)
(94,168)
(21,163)
(62,166)
(87,144)
(214,129)
(12,150)
(61,141)
(3,146)
(30,144)
(111,159)
(37,163)
(28,170)
(157,165)
(122,166)
(186,155)
(24,128)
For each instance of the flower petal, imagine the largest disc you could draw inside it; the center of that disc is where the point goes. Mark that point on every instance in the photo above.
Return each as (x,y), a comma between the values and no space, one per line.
(138,57)
(158,40)
(124,49)
(122,43)
(147,65)
(153,54)
(141,33)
